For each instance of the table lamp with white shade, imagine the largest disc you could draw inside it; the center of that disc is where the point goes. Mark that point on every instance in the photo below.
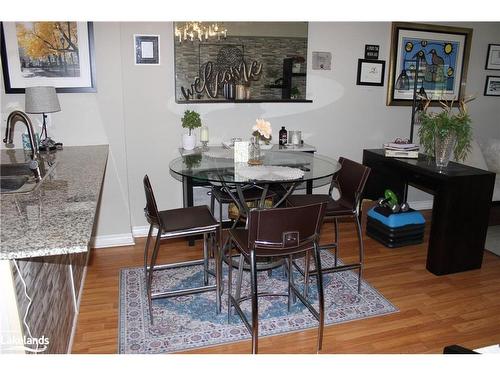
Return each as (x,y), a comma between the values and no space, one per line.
(42,99)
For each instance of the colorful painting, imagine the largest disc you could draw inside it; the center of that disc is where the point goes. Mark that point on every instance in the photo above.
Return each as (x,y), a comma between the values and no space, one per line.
(47,54)
(437,64)
(439,53)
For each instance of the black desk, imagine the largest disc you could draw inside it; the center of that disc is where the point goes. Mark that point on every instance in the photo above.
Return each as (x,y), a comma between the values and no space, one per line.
(462,200)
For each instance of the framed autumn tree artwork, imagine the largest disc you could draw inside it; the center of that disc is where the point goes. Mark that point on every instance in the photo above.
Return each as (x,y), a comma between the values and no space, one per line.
(59,54)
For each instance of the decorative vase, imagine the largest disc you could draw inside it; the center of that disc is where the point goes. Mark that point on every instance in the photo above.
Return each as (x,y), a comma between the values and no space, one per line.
(255,154)
(443,147)
(188,141)
(240,92)
(229,90)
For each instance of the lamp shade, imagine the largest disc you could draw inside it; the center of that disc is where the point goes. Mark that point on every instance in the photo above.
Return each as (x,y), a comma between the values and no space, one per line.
(41,99)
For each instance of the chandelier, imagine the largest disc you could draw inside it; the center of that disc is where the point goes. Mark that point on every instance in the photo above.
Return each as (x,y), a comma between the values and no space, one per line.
(199,30)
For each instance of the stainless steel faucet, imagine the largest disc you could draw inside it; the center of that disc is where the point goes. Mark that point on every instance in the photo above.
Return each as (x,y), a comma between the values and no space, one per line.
(13,118)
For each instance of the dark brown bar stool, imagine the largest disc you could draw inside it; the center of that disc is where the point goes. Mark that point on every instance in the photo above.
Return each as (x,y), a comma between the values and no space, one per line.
(350,181)
(277,232)
(175,223)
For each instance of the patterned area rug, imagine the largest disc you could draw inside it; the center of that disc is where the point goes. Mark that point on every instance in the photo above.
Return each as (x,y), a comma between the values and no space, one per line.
(189,322)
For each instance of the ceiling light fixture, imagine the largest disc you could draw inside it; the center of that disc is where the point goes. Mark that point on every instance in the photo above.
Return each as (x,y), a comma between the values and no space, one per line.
(199,30)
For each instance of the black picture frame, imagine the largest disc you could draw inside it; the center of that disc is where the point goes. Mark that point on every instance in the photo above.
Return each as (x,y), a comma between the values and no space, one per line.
(371,51)
(140,58)
(488,89)
(62,84)
(445,52)
(493,57)
(370,72)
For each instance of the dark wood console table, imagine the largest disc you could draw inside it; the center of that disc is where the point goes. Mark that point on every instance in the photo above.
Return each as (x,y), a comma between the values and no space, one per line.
(462,200)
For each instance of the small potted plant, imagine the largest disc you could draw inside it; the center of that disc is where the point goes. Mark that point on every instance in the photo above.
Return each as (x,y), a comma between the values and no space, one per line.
(447,131)
(294,92)
(191,120)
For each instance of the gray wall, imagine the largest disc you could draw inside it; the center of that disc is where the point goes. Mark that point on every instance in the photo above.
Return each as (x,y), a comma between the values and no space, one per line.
(135,112)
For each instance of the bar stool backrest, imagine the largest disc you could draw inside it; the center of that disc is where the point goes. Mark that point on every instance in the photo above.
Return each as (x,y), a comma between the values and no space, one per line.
(151,210)
(350,180)
(278,231)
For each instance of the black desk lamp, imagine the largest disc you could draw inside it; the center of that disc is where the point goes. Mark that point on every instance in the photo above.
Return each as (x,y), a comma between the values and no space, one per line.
(403,83)
(42,99)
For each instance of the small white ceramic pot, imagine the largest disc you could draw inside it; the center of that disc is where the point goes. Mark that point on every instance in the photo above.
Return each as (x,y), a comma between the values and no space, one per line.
(188,141)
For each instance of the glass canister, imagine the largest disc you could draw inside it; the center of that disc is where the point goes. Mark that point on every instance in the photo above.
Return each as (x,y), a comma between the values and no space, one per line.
(255,154)
(294,137)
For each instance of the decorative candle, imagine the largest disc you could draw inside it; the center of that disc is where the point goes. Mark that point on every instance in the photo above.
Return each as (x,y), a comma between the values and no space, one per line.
(204,134)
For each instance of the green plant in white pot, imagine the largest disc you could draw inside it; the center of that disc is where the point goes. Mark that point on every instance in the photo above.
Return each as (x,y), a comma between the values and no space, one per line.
(191,120)
(447,131)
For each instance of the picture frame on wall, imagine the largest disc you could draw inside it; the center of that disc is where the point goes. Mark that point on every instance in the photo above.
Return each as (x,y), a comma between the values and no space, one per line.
(443,57)
(59,54)
(147,49)
(370,72)
(492,86)
(493,57)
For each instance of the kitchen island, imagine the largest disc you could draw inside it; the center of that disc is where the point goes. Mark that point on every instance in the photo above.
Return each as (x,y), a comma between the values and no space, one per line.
(44,242)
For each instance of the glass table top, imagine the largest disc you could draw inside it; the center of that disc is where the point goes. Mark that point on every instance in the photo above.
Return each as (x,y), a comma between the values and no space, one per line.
(217,165)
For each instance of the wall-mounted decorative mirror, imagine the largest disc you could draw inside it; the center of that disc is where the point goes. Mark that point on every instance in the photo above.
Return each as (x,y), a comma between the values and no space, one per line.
(240,61)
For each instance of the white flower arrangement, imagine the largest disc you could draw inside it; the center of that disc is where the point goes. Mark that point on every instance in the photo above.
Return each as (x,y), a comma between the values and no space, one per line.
(263,128)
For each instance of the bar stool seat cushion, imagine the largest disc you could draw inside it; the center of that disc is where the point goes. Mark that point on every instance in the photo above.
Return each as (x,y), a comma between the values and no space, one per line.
(333,207)
(188,218)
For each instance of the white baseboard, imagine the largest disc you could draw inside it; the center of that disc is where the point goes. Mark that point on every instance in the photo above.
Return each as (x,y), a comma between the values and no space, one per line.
(127,239)
(421,205)
(142,231)
(113,240)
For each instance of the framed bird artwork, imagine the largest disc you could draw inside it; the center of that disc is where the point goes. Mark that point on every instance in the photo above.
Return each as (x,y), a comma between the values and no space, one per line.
(430,58)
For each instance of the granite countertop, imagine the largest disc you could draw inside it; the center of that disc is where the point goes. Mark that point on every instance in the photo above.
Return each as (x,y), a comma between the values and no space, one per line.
(58,216)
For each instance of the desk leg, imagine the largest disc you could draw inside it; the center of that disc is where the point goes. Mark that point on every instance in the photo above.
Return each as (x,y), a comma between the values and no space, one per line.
(459,225)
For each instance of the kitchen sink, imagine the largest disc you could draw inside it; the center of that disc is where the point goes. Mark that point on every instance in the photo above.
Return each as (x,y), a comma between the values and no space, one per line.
(17,169)
(12,183)
(19,178)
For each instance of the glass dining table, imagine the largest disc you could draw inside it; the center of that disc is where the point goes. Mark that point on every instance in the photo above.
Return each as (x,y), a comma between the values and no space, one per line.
(279,171)
(286,170)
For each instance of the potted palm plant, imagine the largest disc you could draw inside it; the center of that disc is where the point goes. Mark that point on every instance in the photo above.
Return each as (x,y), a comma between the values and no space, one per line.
(191,120)
(447,131)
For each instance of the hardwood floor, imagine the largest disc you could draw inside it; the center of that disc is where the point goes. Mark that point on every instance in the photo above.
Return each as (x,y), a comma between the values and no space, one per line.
(435,311)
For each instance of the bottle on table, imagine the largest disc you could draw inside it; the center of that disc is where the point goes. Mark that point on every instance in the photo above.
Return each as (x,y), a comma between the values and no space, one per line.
(283,136)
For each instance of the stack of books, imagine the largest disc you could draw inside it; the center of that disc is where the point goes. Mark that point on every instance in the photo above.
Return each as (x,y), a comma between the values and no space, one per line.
(401,150)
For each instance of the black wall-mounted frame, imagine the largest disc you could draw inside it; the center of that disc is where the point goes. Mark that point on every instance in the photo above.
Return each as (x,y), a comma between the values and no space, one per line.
(492,61)
(10,89)
(370,72)
(492,86)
